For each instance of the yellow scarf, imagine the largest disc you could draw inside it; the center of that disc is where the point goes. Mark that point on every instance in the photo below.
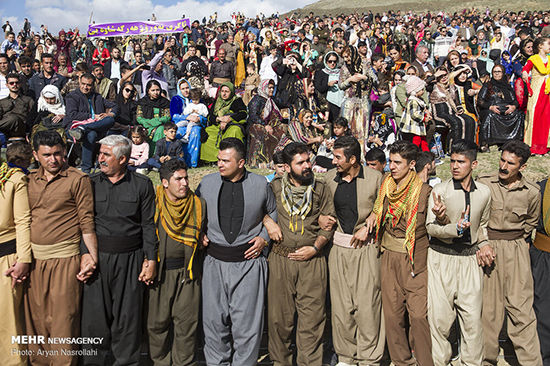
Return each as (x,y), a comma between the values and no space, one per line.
(5,173)
(546,208)
(544,70)
(182,220)
(402,200)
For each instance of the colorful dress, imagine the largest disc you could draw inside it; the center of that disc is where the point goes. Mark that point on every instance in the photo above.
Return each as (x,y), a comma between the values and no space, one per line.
(537,122)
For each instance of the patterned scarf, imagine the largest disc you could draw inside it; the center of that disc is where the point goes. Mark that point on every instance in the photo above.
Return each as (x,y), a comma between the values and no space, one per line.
(402,200)
(297,201)
(182,220)
(546,208)
(5,174)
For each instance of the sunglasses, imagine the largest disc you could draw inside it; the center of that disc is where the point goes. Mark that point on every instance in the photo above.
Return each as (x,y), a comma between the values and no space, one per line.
(331,61)
(129,90)
(14,83)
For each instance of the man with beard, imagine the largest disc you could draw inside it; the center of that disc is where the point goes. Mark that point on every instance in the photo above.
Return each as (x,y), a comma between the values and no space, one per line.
(507,280)
(48,76)
(103,86)
(357,325)
(112,300)
(400,210)
(426,169)
(235,268)
(17,111)
(297,269)
(458,213)
(174,300)
(113,67)
(61,203)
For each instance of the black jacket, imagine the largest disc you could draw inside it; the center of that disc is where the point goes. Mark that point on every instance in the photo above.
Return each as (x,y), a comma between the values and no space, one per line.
(107,67)
(78,108)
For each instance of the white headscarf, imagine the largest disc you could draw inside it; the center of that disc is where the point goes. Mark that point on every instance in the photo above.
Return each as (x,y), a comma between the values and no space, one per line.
(51,91)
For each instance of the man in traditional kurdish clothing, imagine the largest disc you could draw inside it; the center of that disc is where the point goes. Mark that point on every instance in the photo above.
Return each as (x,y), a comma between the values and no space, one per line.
(507,280)
(358,331)
(61,203)
(400,210)
(540,265)
(235,268)
(458,213)
(297,270)
(175,298)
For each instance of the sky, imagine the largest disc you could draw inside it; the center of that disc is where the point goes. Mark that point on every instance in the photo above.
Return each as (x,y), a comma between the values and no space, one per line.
(57,14)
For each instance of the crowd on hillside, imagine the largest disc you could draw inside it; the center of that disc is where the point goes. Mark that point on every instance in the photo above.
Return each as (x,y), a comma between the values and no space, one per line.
(377,259)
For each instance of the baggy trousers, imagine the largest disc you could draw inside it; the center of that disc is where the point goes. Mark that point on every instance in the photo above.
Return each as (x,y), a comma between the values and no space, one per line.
(233,296)
(508,292)
(112,305)
(540,266)
(296,287)
(358,331)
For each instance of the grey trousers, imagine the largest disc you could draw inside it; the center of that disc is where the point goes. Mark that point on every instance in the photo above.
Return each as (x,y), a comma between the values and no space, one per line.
(232,309)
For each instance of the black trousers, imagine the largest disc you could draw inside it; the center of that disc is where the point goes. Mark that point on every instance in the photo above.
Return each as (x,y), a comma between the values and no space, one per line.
(112,306)
(540,265)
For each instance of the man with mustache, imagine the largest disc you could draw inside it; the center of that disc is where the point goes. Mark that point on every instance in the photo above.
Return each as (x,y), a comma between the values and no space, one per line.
(458,212)
(297,267)
(507,280)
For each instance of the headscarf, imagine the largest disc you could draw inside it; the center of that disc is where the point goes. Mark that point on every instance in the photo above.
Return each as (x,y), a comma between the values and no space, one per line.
(179,94)
(270,106)
(148,105)
(502,83)
(51,91)
(336,69)
(126,108)
(508,65)
(222,107)
(475,47)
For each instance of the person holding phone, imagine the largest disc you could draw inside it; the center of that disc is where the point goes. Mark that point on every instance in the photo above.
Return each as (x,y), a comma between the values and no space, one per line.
(457,218)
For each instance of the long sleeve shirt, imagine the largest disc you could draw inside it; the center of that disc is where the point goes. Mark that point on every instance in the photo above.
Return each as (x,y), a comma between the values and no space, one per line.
(126,210)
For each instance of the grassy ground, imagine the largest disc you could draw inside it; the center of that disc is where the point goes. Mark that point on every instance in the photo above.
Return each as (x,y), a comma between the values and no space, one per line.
(538,167)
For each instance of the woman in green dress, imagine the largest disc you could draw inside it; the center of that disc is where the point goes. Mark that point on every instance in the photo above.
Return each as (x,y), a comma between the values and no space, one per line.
(153,111)
(226,118)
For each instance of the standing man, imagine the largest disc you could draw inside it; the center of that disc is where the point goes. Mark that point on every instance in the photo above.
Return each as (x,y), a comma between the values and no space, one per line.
(235,268)
(400,210)
(358,331)
(61,203)
(175,299)
(458,213)
(127,244)
(15,250)
(297,270)
(540,265)
(507,280)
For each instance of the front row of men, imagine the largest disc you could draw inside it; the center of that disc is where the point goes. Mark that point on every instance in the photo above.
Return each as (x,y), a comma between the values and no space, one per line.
(404,262)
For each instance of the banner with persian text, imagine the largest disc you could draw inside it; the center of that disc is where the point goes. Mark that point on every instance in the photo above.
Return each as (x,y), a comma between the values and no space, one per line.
(137,28)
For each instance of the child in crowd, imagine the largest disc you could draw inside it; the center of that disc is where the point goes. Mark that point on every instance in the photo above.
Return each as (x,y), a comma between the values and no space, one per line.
(382,127)
(193,108)
(278,165)
(140,149)
(251,83)
(324,157)
(167,148)
(413,121)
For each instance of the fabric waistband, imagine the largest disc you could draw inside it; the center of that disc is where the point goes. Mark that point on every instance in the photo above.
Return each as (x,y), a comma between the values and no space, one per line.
(342,240)
(7,248)
(461,249)
(118,244)
(542,242)
(504,234)
(284,251)
(63,249)
(220,80)
(227,254)
(174,263)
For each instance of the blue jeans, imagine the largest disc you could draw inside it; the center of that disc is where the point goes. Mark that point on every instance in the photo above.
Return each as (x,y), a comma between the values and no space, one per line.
(92,132)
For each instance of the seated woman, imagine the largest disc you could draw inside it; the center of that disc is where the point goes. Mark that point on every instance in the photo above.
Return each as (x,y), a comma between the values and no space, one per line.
(447,112)
(178,103)
(309,98)
(226,118)
(127,107)
(501,119)
(303,129)
(51,111)
(265,126)
(153,111)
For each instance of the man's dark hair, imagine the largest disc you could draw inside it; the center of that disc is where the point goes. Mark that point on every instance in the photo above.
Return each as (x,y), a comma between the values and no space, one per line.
(234,143)
(25,60)
(13,75)
(376,154)
(169,167)
(406,149)
(195,94)
(376,57)
(45,55)
(88,76)
(10,34)
(170,126)
(466,148)
(47,138)
(518,148)
(125,67)
(424,158)
(292,149)
(19,153)
(97,66)
(3,55)
(351,147)
(278,158)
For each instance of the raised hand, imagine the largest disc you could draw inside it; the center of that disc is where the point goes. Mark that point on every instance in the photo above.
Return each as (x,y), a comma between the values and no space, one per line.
(464,221)
(439,208)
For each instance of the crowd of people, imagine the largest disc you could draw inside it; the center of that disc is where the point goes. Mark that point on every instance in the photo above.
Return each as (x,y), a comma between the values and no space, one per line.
(378,251)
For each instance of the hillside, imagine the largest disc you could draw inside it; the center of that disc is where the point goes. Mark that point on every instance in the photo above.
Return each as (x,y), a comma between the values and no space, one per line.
(326,7)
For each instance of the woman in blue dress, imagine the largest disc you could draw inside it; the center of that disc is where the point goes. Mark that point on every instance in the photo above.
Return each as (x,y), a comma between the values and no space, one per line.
(177,105)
